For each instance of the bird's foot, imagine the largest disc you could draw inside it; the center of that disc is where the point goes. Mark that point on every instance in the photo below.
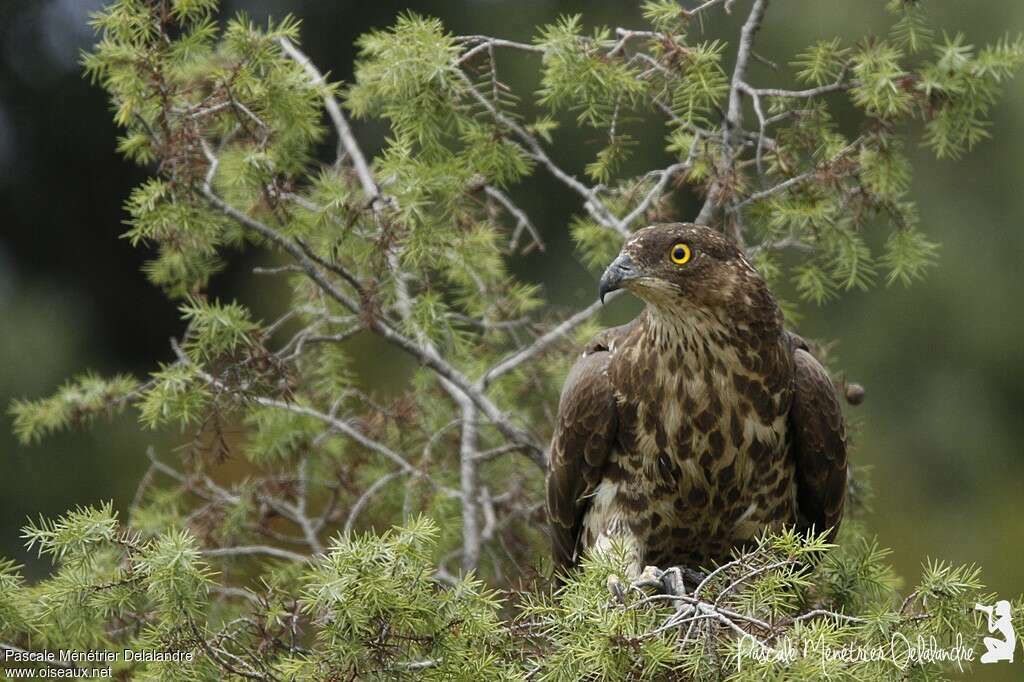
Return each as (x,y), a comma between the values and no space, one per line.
(668,581)
(672,581)
(677,580)
(616,589)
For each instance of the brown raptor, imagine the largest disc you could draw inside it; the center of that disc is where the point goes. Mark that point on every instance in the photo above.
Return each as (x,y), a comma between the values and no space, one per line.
(700,423)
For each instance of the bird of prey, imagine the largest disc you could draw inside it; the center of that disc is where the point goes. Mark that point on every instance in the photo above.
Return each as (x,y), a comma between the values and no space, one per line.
(689,430)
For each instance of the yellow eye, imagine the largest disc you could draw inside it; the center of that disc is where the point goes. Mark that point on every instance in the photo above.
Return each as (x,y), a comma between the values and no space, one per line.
(680,254)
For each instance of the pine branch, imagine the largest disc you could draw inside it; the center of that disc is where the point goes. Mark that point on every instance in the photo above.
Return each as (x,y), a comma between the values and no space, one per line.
(425,355)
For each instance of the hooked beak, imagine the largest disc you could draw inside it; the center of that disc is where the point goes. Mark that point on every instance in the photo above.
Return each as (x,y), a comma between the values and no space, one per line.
(618,273)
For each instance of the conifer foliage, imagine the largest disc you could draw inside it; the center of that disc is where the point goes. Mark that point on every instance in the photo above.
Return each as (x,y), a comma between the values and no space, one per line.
(404,539)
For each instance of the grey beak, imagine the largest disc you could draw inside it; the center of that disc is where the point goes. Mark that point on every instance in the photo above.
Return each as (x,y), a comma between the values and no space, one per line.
(618,273)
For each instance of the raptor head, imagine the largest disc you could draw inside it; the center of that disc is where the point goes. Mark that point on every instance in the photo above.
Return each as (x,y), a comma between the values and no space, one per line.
(676,266)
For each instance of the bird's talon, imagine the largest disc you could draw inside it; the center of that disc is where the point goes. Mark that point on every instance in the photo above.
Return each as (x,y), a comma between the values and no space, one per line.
(616,588)
(672,582)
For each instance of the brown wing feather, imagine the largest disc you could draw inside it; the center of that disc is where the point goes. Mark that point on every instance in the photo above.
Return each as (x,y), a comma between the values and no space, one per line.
(819,445)
(584,435)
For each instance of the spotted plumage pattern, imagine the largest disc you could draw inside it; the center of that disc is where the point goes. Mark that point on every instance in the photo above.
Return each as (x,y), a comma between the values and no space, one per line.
(691,429)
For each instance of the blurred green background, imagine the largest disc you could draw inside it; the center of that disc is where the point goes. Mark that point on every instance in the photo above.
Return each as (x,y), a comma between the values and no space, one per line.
(942,361)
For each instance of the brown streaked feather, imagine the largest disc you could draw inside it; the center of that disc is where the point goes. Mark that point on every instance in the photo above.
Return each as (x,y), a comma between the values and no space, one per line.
(819,445)
(584,435)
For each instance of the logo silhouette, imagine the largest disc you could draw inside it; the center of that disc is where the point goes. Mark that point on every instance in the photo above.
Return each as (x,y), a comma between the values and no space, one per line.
(998,621)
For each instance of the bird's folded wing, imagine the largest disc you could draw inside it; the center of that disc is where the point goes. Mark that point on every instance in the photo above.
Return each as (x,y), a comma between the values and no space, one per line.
(584,435)
(819,445)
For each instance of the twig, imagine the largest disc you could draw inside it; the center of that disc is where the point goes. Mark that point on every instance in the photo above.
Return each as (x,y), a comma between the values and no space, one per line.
(418,665)
(659,187)
(343,427)
(364,499)
(140,491)
(759,112)
(523,221)
(764,60)
(470,485)
(838,85)
(592,202)
(493,453)
(778,245)
(217,656)
(796,179)
(831,614)
(700,8)
(238,592)
(721,569)
(747,33)
(625,35)
(486,42)
(733,121)
(539,345)
(346,140)
(751,574)
(219,494)
(276,271)
(249,550)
